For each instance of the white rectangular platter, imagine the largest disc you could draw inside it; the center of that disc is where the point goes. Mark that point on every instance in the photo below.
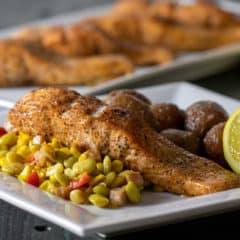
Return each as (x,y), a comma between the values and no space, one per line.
(155,208)
(186,67)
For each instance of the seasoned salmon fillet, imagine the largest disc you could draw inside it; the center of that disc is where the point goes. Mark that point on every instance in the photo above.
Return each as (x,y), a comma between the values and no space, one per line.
(94,125)
(81,40)
(23,62)
(196,14)
(146,30)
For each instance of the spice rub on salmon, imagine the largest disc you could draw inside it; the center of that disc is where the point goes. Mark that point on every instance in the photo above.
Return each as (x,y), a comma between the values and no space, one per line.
(94,125)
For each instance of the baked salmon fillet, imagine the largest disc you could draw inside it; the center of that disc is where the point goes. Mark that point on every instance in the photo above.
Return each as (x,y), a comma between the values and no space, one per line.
(81,40)
(23,62)
(197,14)
(105,129)
(150,31)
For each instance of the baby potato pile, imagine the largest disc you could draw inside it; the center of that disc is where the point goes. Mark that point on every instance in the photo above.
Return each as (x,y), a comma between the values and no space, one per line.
(67,172)
(198,129)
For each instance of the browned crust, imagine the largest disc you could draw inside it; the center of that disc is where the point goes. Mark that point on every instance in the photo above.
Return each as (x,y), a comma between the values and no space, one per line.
(110,130)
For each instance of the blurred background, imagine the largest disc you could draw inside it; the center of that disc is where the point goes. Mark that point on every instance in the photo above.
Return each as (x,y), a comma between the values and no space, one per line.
(15,12)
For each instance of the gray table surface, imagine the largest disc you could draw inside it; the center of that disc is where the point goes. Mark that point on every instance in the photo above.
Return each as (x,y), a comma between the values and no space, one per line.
(19,225)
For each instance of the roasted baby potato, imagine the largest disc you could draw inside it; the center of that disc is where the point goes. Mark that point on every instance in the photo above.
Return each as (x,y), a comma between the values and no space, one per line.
(185,139)
(133,93)
(213,144)
(203,115)
(134,104)
(168,115)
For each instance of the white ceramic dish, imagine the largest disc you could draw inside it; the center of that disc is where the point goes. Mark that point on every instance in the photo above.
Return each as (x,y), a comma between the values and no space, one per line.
(155,209)
(187,67)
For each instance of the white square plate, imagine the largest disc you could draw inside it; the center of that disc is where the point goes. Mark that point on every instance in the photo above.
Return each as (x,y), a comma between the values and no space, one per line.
(155,208)
(186,67)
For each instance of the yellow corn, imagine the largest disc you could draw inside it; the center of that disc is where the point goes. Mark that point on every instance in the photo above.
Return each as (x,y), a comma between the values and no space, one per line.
(3,147)
(68,163)
(77,196)
(52,179)
(74,151)
(2,161)
(101,189)
(110,178)
(65,151)
(107,165)
(8,139)
(133,192)
(34,147)
(99,166)
(54,143)
(87,165)
(23,151)
(69,172)
(117,166)
(58,167)
(61,178)
(83,156)
(98,200)
(13,168)
(48,187)
(118,182)
(48,150)
(23,139)
(3,153)
(25,172)
(13,157)
(99,178)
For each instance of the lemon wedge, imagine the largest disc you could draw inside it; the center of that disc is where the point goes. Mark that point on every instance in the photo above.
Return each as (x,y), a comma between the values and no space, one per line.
(231,141)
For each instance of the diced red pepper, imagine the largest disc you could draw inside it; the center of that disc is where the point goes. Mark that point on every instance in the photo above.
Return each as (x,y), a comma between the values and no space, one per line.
(2,131)
(33,179)
(84,179)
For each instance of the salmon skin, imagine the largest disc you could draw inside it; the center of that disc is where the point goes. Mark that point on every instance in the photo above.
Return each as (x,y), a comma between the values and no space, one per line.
(105,129)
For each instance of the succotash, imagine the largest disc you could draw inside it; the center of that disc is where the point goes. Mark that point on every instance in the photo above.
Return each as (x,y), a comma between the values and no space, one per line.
(68,173)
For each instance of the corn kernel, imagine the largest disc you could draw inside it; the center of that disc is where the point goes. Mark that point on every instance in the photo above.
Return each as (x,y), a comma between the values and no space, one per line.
(48,187)
(110,178)
(107,165)
(61,178)
(25,172)
(13,168)
(58,167)
(69,172)
(118,182)
(101,189)
(97,179)
(13,157)
(23,139)
(98,200)
(99,166)
(83,156)
(23,151)
(133,192)
(117,166)
(8,139)
(74,151)
(87,165)
(68,163)
(77,196)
